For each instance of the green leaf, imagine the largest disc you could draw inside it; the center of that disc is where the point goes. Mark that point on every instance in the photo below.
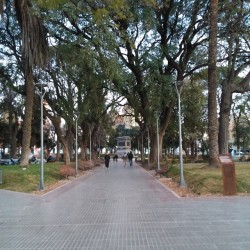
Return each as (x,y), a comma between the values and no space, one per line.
(50,4)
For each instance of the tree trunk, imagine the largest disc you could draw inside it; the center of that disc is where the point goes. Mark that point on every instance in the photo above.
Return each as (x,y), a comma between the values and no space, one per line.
(212,87)
(185,147)
(34,53)
(142,149)
(163,124)
(154,148)
(13,125)
(225,108)
(65,145)
(29,87)
(66,153)
(71,148)
(64,137)
(83,145)
(58,157)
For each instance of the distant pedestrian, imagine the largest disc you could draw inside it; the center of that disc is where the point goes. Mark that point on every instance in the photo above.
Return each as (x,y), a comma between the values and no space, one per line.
(124,158)
(130,158)
(115,157)
(107,159)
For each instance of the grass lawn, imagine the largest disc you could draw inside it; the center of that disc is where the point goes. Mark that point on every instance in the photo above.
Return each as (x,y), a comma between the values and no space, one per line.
(202,180)
(16,179)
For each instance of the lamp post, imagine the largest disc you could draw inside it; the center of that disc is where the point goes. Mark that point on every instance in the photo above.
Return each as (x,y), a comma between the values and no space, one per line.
(178,87)
(42,92)
(157,115)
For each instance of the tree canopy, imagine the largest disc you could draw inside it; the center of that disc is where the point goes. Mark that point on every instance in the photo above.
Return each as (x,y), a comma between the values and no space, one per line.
(102,52)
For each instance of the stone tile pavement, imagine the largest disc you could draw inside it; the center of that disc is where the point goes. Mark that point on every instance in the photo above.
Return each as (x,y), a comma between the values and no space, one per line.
(123,208)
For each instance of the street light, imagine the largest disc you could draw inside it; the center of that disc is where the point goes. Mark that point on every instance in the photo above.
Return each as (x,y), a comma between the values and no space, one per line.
(157,115)
(178,87)
(41,93)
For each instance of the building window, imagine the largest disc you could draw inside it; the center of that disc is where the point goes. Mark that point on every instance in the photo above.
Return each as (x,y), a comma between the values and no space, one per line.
(121,143)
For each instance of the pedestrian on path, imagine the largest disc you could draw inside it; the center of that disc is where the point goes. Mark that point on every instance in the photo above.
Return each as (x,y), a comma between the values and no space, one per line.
(107,159)
(124,158)
(115,158)
(130,158)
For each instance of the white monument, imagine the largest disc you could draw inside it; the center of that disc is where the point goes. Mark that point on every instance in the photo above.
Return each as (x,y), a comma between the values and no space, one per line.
(123,145)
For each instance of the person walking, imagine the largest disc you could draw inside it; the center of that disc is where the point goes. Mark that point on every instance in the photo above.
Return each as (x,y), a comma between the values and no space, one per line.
(115,157)
(124,158)
(130,158)
(106,160)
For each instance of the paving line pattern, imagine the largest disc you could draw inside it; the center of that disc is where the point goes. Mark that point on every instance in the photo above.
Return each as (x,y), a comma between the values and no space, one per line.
(122,208)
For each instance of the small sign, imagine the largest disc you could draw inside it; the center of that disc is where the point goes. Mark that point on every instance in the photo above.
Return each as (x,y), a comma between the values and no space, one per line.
(228,174)
(225,159)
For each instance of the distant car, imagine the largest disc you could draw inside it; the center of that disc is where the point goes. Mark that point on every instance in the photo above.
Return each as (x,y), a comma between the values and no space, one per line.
(6,160)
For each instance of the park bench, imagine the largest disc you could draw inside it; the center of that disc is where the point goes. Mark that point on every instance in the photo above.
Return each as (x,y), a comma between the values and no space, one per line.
(163,171)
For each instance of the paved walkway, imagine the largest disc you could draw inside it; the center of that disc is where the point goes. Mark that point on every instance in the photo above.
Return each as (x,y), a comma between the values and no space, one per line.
(122,208)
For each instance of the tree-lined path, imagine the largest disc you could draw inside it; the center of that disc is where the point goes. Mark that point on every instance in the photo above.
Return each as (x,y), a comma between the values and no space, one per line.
(121,208)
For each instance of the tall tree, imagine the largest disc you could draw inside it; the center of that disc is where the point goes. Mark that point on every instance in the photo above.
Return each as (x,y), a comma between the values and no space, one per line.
(155,43)
(194,116)
(212,86)
(241,121)
(234,32)
(10,74)
(80,91)
(140,47)
(34,53)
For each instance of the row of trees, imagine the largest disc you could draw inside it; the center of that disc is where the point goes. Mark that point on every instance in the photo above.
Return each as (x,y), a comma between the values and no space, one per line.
(95,55)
